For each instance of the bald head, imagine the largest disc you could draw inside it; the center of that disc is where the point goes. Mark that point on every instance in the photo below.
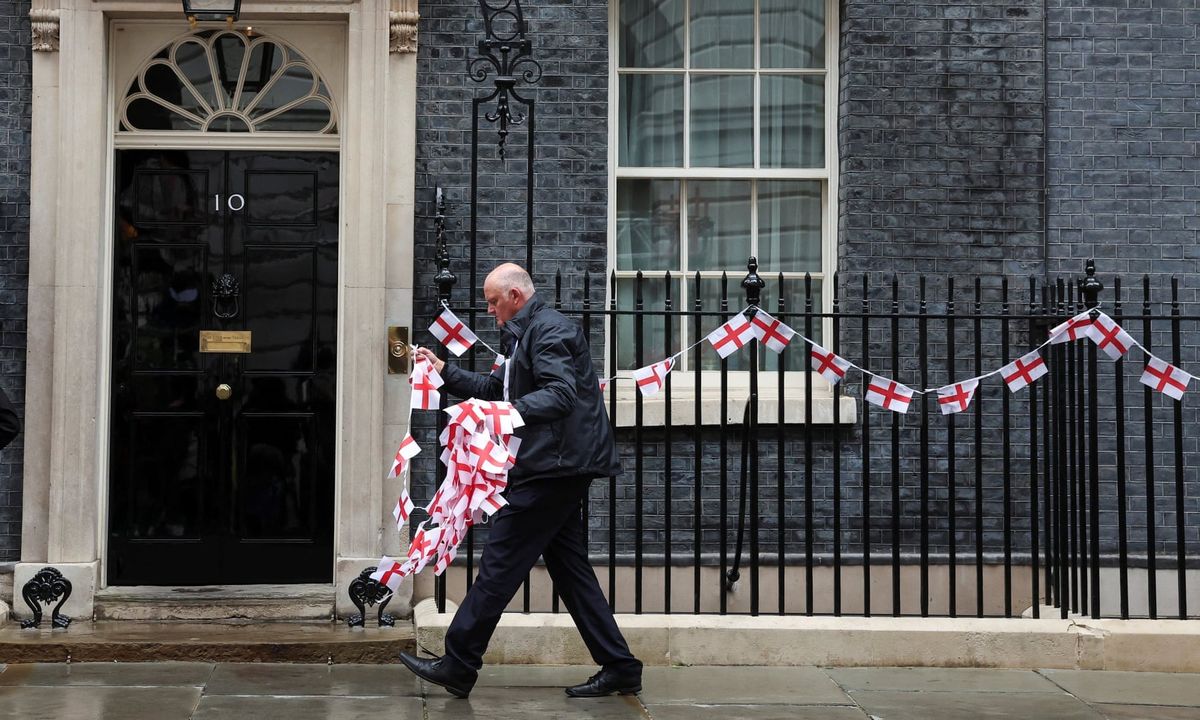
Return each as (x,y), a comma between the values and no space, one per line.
(506,290)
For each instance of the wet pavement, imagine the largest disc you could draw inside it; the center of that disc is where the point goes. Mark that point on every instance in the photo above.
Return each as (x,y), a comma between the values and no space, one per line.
(165,691)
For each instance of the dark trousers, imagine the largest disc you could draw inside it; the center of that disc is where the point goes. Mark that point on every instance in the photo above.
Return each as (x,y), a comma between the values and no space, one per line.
(543,517)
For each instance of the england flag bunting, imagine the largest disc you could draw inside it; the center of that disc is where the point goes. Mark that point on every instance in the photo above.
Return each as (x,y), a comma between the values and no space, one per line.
(603,384)
(1110,337)
(390,572)
(771,332)
(452,332)
(1166,378)
(404,508)
(425,382)
(955,398)
(1023,371)
(888,394)
(497,363)
(650,379)
(408,450)
(829,366)
(1074,329)
(732,336)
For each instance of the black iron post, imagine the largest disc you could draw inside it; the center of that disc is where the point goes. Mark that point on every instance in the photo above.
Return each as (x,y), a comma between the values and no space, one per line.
(753,285)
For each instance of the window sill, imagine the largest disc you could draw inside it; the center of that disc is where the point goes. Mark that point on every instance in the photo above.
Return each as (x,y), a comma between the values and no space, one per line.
(683,404)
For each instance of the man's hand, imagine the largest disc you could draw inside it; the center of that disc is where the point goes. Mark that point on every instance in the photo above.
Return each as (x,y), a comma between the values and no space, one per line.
(433,359)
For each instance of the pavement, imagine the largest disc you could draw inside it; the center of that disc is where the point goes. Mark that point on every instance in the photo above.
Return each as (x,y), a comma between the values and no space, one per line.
(169,690)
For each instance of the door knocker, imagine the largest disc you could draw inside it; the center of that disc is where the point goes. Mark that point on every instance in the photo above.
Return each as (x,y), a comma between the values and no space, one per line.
(225,292)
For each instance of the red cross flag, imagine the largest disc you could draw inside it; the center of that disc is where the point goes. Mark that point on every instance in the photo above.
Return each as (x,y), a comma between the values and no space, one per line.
(1166,378)
(650,379)
(1110,337)
(452,333)
(425,384)
(408,450)
(732,336)
(1023,371)
(829,366)
(390,572)
(403,510)
(771,332)
(603,384)
(1074,329)
(497,363)
(955,398)
(888,394)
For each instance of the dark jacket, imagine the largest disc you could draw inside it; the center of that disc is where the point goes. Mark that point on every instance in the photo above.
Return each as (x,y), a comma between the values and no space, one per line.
(10,424)
(553,385)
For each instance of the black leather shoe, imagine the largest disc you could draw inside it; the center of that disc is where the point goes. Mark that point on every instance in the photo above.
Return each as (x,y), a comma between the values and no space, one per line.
(440,672)
(606,682)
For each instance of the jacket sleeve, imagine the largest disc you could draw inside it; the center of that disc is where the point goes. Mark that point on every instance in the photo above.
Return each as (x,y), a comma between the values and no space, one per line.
(553,368)
(466,384)
(10,423)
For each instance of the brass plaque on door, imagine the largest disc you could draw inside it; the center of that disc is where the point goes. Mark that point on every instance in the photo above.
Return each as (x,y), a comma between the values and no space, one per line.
(224,341)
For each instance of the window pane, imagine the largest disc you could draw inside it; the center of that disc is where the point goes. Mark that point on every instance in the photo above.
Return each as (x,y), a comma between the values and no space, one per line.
(793,356)
(722,121)
(722,33)
(651,121)
(651,33)
(718,224)
(654,345)
(648,225)
(710,296)
(789,225)
(793,121)
(793,33)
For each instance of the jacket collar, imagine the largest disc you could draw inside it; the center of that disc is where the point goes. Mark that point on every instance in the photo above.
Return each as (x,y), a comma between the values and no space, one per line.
(519,323)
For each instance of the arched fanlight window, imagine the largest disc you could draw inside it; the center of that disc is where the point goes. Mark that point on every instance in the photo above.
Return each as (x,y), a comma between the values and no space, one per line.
(224,81)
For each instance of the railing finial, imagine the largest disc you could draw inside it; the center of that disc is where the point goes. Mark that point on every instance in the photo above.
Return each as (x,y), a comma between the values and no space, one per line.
(1090,287)
(752,283)
(444,278)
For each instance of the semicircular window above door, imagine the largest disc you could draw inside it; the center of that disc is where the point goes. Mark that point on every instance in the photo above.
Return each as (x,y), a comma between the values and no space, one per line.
(225,81)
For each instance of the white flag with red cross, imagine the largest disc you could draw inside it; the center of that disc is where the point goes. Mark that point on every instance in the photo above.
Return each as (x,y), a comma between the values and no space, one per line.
(829,366)
(1110,337)
(650,379)
(423,547)
(425,382)
(1074,329)
(404,508)
(1023,371)
(771,332)
(888,394)
(500,418)
(390,572)
(497,363)
(603,384)
(1166,378)
(732,336)
(452,332)
(408,450)
(955,398)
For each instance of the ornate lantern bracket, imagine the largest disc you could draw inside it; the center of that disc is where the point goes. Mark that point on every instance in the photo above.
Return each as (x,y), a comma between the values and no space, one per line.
(506,52)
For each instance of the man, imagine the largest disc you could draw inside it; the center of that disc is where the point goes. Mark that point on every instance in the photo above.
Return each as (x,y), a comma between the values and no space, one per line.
(10,424)
(565,443)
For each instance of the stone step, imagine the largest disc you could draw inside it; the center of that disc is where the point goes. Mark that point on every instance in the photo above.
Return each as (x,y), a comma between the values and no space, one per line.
(203,603)
(213,642)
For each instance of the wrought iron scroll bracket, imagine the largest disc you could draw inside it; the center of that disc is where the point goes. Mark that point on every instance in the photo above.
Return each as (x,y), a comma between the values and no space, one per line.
(1090,287)
(506,52)
(46,586)
(444,278)
(364,591)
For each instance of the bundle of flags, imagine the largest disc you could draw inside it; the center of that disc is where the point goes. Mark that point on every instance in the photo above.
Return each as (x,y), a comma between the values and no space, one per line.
(479,449)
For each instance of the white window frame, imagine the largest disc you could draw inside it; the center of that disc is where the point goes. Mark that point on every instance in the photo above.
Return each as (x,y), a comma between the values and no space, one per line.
(683,381)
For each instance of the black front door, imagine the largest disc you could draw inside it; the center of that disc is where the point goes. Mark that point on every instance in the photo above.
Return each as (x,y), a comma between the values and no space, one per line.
(222,463)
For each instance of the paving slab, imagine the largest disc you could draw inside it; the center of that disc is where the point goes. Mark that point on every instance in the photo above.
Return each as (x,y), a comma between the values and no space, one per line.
(560,676)
(892,705)
(223,707)
(755,712)
(1147,712)
(1132,688)
(942,680)
(113,674)
(740,686)
(491,703)
(364,680)
(98,703)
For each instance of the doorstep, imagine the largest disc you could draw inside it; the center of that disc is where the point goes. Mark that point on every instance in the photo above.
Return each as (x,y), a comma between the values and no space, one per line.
(217,603)
(1079,643)
(106,641)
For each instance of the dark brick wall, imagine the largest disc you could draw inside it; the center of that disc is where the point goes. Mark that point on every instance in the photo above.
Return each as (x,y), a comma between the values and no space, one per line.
(15,98)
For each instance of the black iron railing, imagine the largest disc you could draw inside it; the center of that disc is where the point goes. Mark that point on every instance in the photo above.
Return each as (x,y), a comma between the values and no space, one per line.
(1025,500)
